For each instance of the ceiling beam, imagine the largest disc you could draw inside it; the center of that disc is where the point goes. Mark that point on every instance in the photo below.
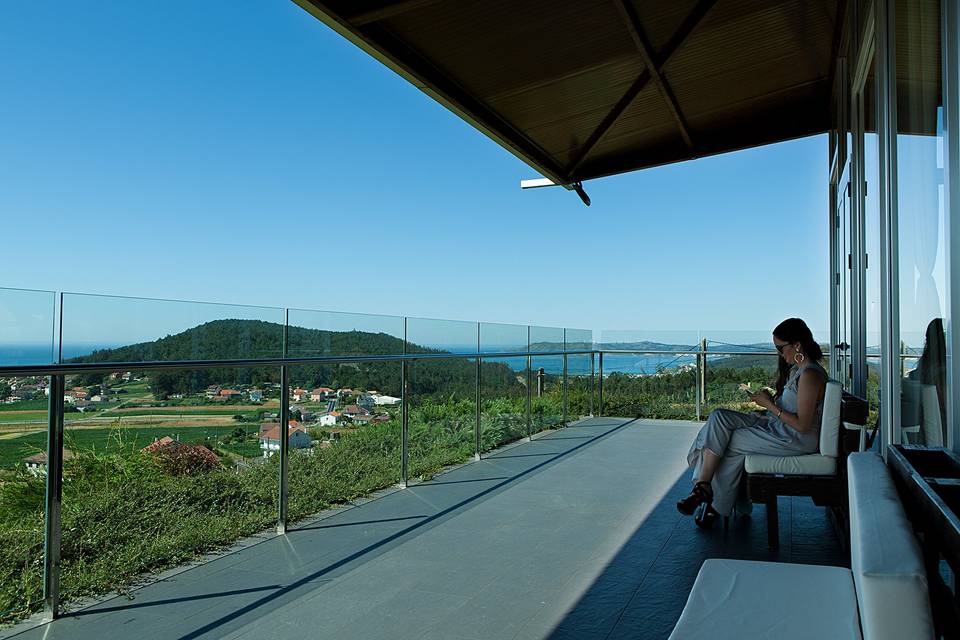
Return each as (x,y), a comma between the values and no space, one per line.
(387,10)
(632,20)
(680,35)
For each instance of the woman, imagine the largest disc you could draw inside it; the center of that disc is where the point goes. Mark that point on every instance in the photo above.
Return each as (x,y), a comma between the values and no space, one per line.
(790,426)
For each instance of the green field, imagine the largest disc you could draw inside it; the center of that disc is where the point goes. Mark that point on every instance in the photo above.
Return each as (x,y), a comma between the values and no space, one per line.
(13,450)
(25,405)
(26,416)
(177,411)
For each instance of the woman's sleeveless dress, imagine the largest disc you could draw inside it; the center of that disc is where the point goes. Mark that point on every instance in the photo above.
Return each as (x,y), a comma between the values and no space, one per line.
(732,435)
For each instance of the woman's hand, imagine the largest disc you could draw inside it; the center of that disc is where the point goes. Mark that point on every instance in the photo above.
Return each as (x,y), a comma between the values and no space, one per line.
(764,399)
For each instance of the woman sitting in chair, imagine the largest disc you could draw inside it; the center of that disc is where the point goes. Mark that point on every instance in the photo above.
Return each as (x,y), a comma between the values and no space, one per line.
(789,426)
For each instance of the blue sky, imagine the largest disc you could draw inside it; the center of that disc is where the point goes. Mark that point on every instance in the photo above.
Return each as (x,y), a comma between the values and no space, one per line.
(242,152)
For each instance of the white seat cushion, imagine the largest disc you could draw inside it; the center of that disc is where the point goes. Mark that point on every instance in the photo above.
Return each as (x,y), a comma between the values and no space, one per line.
(808,465)
(746,599)
(885,558)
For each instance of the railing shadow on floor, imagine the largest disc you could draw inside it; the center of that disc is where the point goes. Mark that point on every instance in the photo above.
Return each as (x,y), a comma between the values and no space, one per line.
(304,541)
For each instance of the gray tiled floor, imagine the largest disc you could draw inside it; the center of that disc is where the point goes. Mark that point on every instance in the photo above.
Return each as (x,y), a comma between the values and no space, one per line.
(571,535)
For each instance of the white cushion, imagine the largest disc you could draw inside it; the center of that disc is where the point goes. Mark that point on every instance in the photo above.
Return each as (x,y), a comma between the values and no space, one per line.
(746,599)
(808,465)
(830,419)
(885,558)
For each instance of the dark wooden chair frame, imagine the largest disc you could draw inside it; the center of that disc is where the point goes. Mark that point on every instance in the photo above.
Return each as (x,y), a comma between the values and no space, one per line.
(826,491)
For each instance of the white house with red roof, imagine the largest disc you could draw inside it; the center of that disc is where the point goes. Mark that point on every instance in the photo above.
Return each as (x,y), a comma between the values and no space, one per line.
(270,438)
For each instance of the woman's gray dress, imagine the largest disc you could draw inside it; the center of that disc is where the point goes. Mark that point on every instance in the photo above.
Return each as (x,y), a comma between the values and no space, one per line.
(732,435)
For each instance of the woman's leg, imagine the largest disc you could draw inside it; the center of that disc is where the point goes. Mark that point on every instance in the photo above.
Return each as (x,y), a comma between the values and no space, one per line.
(714,438)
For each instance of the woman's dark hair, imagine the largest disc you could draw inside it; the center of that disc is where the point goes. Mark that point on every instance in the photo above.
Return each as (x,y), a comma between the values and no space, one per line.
(794,330)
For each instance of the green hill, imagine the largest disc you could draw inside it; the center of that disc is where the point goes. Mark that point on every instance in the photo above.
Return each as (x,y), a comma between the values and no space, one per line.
(240,339)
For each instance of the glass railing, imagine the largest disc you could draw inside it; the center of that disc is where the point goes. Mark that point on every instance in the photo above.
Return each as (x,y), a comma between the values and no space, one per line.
(163,435)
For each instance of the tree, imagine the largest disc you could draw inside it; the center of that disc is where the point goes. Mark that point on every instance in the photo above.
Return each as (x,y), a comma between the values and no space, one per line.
(4,391)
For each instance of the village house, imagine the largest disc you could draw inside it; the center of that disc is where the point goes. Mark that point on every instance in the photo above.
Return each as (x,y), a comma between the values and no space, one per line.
(230,394)
(321,393)
(329,419)
(299,395)
(256,395)
(386,401)
(270,438)
(37,463)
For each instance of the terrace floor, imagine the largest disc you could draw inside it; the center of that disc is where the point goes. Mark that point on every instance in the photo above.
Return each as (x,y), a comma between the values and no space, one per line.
(571,535)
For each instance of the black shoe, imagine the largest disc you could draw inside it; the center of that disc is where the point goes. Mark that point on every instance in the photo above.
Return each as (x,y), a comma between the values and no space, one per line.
(707,516)
(702,494)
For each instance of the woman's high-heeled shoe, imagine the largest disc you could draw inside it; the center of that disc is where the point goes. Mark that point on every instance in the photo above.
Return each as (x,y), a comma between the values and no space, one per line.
(702,494)
(707,516)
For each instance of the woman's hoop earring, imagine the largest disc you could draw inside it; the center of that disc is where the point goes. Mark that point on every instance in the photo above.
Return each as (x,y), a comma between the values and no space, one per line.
(799,357)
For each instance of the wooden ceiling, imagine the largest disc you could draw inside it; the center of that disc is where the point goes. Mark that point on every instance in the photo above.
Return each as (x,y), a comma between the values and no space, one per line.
(581,89)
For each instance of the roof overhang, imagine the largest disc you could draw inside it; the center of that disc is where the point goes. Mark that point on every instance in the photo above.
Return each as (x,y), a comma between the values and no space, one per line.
(590,88)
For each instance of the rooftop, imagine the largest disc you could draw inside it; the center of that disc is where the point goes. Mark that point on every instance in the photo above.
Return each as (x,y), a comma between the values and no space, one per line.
(572,534)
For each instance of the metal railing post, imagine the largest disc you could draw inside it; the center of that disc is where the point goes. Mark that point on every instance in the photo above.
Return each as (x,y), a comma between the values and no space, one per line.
(284,450)
(696,384)
(404,413)
(54,499)
(476,433)
(566,413)
(703,375)
(600,388)
(529,395)
(593,381)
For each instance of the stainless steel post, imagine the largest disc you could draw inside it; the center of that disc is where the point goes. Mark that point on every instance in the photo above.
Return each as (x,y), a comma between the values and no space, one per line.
(566,413)
(529,394)
(54,499)
(404,413)
(284,449)
(476,431)
(703,374)
(600,392)
(593,382)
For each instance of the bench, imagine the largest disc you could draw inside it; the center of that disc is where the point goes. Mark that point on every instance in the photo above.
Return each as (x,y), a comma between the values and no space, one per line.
(883,596)
(815,475)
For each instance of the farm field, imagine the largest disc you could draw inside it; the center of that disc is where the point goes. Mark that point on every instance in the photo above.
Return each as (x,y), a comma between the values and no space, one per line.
(128,438)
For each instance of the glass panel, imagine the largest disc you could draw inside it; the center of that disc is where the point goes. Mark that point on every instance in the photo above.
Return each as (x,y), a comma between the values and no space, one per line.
(443,414)
(160,467)
(579,339)
(451,336)
(580,385)
(26,327)
(650,376)
(503,384)
(503,338)
(727,375)
(23,439)
(117,329)
(921,224)
(344,433)
(328,333)
(546,339)
(546,403)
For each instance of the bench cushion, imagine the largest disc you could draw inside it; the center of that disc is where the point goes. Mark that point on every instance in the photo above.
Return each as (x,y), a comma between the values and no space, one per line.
(809,465)
(830,419)
(885,558)
(746,599)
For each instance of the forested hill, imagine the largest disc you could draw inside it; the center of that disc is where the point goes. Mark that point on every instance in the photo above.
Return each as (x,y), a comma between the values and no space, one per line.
(241,339)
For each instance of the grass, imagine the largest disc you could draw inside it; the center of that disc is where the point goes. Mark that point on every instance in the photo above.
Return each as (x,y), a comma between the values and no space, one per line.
(25,405)
(23,416)
(178,411)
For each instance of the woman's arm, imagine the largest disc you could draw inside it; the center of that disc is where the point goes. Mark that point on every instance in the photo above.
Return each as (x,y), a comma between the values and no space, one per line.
(809,392)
